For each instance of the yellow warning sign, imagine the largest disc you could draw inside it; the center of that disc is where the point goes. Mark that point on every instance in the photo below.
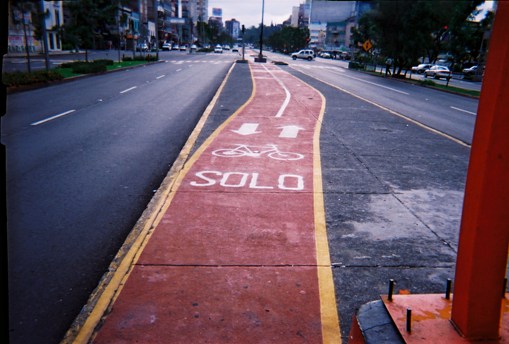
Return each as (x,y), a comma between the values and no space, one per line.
(367,45)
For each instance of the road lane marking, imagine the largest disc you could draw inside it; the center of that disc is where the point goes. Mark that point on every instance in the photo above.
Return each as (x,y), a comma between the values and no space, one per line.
(129,89)
(180,69)
(463,143)
(462,110)
(373,83)
(247,129)
(52,117)
(288,95)
(290,131)
(160,76)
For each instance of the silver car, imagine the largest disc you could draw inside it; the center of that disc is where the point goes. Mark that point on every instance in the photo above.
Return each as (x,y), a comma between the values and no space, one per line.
(306,54)
(438,72)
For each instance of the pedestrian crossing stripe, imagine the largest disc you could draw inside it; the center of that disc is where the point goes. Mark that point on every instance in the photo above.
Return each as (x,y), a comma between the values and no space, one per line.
(200,61)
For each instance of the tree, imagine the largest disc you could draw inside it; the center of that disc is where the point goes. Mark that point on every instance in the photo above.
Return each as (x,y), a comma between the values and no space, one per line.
(89,20)
(289,39)
(407,30)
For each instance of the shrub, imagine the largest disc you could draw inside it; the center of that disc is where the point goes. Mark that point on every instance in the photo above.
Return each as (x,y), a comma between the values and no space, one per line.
(23,78)
(355,65)
(71,64)
(90,67)
(82,67)
(106,62)
(427,82)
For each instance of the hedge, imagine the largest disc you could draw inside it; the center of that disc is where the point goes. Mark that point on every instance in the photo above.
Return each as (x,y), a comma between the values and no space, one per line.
(24,78)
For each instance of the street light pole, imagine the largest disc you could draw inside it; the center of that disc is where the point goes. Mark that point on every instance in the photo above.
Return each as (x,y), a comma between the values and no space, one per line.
(260,57)
(156,19)
(44,35)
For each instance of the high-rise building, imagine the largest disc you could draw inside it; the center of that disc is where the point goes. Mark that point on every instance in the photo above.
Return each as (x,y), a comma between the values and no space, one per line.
(233,28)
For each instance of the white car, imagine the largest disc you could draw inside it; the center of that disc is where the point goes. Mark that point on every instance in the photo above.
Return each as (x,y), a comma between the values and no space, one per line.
(218,49)
(306,54)
(438,72)
(142,47)
(166,46)
(421,68)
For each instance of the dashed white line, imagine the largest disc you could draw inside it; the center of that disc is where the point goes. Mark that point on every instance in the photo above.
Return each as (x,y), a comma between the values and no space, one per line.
(288,94)
(462,110)
(127,90)
(160,76)
(180,69)
(372,83)
(53,117)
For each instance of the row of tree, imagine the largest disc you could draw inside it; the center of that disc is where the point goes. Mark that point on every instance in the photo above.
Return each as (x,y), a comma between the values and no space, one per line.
(406,31)
(90,23)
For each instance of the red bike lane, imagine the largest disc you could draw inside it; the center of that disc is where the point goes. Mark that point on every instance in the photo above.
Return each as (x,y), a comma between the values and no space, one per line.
(240,254)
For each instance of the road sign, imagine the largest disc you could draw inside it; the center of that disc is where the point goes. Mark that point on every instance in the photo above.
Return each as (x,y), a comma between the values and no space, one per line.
(367,45)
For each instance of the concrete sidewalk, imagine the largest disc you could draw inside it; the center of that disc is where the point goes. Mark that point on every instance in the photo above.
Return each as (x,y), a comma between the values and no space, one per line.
(392,193)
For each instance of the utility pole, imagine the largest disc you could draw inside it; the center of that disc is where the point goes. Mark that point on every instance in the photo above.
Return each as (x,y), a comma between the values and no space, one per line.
(27,45)
(156,19)
(260,57)
(44,35)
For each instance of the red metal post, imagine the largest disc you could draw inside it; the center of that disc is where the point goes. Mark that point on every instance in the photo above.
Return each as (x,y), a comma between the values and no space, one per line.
(484,236)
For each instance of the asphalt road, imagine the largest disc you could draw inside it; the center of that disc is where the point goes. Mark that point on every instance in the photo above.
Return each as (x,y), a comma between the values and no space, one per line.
(83,160)
(451,114)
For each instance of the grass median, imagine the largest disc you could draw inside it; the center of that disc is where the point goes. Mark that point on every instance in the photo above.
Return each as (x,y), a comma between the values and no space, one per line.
(70,70)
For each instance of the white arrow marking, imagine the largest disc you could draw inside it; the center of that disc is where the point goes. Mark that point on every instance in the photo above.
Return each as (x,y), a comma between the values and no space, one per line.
(290,131)
(247,129)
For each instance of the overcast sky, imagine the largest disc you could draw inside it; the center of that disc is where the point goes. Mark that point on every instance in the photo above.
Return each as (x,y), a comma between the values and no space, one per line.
(249,12)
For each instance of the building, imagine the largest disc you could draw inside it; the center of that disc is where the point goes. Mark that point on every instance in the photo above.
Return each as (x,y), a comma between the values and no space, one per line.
(179,20)
(25,30)
(331,22)
(233,28)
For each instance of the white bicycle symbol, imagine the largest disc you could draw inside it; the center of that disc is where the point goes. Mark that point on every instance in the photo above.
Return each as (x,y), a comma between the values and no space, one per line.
(272,151)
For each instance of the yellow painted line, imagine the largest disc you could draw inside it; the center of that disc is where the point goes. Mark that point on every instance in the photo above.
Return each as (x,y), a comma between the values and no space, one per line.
(83,328)
(387,109)
(331,332)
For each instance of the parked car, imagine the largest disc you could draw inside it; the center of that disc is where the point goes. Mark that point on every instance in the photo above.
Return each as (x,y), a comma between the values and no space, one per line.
(142,47)
(226,47)
(421,68)
(470,71)
(235,49)
(306,54)
(183,47)
(166,46)
(325,54)
(218,49)
(438,72)
(175,47)
(193,47)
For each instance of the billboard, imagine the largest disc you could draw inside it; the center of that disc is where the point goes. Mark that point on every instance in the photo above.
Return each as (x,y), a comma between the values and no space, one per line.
(217,12)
